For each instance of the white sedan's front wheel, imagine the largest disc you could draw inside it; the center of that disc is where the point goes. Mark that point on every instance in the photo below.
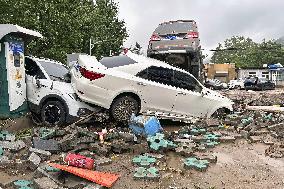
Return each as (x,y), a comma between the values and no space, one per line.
(123,107)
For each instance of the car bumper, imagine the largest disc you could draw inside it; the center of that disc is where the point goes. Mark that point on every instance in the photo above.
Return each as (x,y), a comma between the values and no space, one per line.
(178,50)
(90,93)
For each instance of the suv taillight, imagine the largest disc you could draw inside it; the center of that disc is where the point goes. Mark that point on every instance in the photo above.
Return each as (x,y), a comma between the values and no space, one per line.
(155,37)
(89,74)
(192,35)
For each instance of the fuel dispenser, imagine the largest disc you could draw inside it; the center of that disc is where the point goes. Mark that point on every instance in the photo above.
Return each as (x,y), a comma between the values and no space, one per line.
(13,101)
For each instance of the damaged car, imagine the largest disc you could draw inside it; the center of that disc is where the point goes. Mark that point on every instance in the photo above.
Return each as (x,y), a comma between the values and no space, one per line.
(132,83)
(50,94)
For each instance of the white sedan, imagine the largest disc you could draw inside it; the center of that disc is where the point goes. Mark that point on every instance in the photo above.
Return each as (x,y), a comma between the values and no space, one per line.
(133,83)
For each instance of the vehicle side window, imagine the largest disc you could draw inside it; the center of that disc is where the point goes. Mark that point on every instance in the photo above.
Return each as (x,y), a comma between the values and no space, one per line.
(160,75)
(33,69)
(143,74)
(187,82)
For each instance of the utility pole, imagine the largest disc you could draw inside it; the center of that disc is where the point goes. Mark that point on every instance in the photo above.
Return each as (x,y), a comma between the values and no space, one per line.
(91,47)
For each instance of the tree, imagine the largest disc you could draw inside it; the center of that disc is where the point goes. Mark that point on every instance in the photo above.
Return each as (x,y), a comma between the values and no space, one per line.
(245,53)
(67,25)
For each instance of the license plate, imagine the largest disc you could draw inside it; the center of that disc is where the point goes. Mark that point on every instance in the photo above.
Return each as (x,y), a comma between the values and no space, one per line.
(171,37)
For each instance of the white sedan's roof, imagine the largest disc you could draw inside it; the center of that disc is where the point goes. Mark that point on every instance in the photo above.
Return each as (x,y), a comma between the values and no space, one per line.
(10,28)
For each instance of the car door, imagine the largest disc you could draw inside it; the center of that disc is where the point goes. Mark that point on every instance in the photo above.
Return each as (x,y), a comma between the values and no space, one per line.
(33,72)
(156,88)
(189,99)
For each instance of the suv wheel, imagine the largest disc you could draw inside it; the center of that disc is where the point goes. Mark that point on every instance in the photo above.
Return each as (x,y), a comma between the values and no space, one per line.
(123,107)
(53,113)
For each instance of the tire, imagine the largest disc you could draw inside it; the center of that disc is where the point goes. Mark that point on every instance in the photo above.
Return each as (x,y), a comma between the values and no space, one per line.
(53,113)
(123,107)
(220,113)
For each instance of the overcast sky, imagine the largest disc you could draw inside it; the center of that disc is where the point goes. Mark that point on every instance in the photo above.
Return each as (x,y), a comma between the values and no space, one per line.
(216,19)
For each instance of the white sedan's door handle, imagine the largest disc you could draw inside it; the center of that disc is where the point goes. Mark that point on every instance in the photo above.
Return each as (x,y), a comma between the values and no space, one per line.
(141,83)
(181,93)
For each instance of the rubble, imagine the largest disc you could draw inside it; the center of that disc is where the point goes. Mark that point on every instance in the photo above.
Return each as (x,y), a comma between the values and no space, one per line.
(50,145)
(34,161)
(45,183)
(13,146)
(148,150)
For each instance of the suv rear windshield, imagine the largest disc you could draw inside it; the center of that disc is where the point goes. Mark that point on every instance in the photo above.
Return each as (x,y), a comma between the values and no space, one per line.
(175,27)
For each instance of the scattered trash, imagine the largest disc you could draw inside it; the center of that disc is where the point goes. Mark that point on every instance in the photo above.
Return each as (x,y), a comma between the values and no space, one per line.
(77,160)
(144,125)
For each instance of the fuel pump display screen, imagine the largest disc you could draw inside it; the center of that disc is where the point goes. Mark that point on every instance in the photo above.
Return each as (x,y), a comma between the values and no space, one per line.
(17,58)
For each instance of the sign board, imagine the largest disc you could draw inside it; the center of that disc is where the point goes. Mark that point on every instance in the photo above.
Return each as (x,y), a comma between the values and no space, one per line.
(14,53)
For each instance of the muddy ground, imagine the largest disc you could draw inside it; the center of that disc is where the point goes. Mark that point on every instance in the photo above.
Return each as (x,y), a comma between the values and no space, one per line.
(241,164)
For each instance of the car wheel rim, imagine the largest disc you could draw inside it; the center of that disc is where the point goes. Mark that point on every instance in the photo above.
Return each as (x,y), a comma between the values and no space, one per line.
(124,109)
(52,114)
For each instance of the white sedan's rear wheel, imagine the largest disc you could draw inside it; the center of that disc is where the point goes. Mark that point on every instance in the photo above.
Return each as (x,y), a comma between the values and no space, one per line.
(123,107)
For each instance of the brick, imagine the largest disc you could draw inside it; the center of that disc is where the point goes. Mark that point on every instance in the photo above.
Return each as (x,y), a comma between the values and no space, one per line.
(144,160)
(209,157)
(140,148)
(42,172)
(255,138)
(119,146)
(85,140)
(42,153)
(4,160)
(127,137)
(198,138)
(245,134)
(157,156)
(65,143)
(50,145)
(13,146)
(34,161)
(93,186)
(100,149)
(103,161)
(227,139)
(20,184)
(45,183)
(194,163)
(146,173)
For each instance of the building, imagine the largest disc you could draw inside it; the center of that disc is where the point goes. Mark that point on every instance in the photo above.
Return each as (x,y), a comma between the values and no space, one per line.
(277,74)
(222,72)
(253,72)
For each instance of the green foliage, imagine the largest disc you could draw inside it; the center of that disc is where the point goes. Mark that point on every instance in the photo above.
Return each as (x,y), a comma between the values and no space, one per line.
(67,25)
(246,53)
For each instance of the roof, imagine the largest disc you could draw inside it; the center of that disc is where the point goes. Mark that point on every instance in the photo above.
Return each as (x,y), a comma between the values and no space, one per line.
(10,28)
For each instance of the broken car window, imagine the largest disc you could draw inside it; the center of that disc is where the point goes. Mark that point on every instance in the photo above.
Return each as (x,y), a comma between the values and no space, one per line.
(160,75)
(33,69)
(186,81)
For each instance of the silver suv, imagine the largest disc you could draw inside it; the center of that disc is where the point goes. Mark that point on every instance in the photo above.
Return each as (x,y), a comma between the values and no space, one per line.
(179,36)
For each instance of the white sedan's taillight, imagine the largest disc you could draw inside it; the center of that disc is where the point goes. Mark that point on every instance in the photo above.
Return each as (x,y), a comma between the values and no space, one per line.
(89,74)
(191,35)
(155,37)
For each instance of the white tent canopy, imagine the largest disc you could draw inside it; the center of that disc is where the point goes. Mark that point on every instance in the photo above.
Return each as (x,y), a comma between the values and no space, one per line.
(10,28)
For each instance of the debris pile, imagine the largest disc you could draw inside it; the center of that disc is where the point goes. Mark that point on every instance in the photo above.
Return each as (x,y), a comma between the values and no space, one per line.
(51,153)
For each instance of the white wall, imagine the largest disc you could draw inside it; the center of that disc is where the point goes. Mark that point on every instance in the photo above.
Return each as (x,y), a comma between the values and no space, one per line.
(243,73)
